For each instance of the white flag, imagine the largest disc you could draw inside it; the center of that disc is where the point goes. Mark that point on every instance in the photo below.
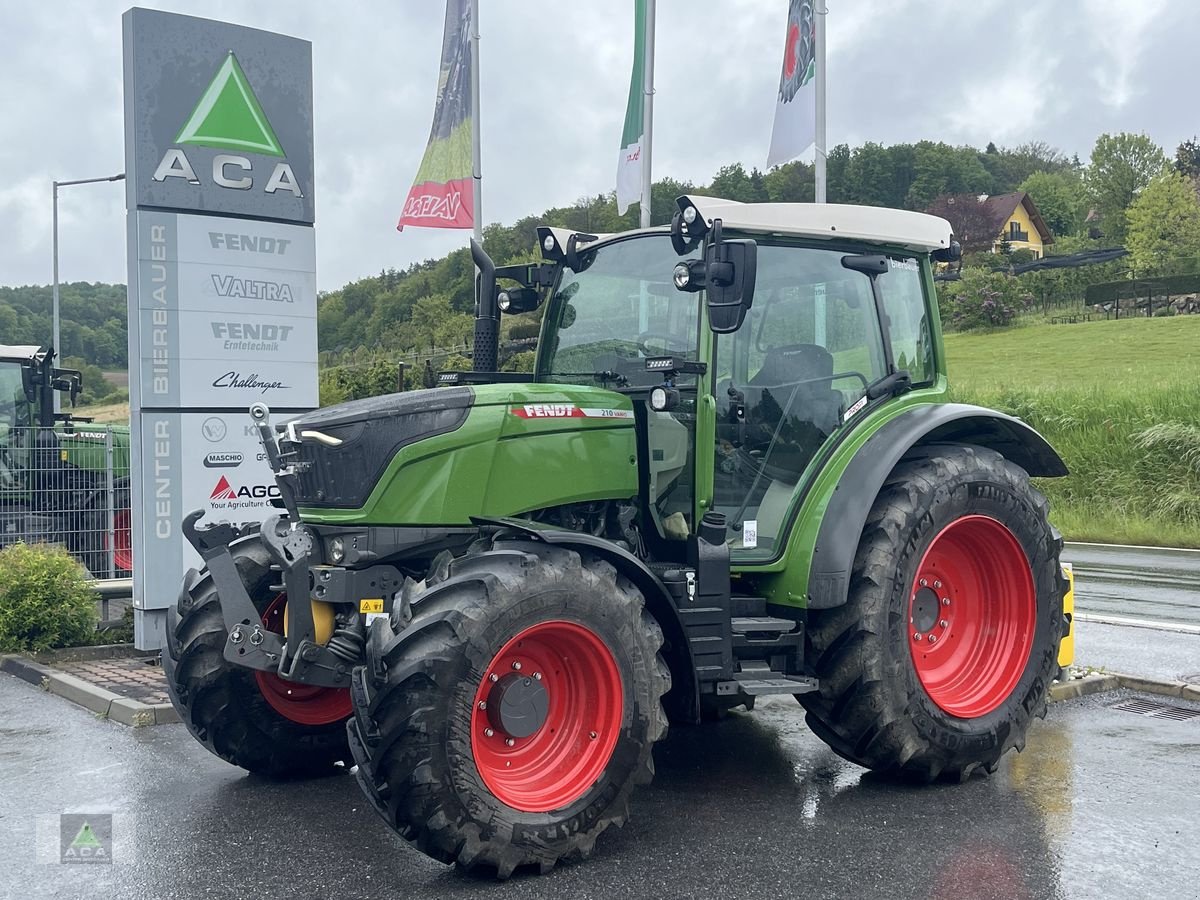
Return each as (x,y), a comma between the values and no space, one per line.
(795,126)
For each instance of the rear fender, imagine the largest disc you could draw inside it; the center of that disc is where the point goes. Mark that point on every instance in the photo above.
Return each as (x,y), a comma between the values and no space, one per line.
(682,702)
(948,423)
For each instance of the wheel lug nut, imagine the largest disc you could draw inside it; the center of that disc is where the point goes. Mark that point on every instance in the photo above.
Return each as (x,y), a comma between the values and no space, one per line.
(493,677)
(933,638)
(508,742)
(592,735)
(944,623)
(517,666)
(537,676)
(937,585)
(923,583)
(483,704)
(945,601)
(487,732)
(917,636)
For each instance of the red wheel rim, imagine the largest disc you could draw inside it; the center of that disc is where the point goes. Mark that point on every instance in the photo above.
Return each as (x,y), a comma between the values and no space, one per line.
(304,704)
(123,549)
(574,673)
(972,615)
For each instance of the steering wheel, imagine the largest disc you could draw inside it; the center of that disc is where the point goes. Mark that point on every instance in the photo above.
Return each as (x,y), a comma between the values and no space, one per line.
(669,343)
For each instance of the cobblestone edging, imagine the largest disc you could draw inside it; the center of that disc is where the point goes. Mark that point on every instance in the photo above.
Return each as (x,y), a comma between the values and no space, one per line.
(99,700)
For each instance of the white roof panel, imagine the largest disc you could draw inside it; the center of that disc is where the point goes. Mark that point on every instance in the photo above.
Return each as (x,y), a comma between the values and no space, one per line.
(829,221)
(19,351)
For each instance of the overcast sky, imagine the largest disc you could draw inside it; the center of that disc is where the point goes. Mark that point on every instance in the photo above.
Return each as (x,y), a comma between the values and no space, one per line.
(554,81)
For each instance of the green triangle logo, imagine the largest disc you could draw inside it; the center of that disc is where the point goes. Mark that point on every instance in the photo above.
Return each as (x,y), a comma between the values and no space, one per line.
(229,116)
(86,838)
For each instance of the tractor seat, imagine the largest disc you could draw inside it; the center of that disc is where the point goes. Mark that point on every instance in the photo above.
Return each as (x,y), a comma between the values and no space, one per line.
(795,377)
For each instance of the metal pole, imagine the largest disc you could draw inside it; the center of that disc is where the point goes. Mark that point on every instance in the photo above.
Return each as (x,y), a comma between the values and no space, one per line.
(112,508)
(54,334)
(819,51)
(476,153)
(57,337)
(647,113)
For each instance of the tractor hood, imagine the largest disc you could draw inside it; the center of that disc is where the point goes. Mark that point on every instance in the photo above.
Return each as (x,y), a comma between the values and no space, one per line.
(441,456)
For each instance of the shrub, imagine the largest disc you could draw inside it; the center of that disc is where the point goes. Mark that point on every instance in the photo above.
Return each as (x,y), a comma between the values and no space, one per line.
(45,600)
(982,299)
(520,362)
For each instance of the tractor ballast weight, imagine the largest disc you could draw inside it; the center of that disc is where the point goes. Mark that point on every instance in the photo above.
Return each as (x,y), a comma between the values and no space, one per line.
(730,476)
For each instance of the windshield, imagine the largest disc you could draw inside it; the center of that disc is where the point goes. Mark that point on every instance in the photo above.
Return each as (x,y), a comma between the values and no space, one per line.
(604,320)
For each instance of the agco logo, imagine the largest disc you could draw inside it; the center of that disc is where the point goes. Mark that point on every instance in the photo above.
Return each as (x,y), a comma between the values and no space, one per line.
(226,496)
(228,116)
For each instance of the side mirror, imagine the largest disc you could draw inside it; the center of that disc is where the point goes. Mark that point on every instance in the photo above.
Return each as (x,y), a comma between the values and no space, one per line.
(730,267)
(953,253)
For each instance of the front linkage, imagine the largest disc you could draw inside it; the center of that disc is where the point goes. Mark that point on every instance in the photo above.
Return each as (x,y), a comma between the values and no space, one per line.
(298,656)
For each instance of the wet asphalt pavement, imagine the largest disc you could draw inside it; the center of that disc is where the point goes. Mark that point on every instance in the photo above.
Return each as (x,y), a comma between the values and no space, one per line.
(1102,804)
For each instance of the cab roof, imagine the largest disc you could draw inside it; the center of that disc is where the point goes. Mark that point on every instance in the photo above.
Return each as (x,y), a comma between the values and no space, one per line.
(827,221)
(19,351)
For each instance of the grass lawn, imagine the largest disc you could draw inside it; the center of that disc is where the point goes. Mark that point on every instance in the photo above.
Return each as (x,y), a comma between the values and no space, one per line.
(116,413)
(1120,400)
(1128,355)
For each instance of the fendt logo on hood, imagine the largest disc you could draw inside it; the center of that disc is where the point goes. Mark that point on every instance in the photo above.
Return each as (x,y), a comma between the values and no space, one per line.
(226,496)
(228,116)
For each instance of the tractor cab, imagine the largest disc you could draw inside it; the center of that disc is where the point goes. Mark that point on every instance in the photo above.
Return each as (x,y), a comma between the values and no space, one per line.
(739,394)
(28,382)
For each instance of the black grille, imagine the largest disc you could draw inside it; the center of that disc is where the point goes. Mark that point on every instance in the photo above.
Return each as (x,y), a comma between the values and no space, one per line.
(372,431)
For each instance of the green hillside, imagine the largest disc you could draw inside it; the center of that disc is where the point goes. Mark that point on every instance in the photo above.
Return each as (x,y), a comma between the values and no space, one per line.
(1119,401)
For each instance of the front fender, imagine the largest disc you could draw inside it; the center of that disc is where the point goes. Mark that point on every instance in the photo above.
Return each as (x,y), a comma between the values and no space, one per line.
(946,423)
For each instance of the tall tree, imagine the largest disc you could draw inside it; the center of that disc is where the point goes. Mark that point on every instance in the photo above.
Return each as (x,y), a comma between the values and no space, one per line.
(1187,158)
(1163,223)
(1059,197)
(1121,166)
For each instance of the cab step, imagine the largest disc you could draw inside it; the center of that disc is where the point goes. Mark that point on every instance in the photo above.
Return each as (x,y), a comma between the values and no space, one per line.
(757,680)
(762,624)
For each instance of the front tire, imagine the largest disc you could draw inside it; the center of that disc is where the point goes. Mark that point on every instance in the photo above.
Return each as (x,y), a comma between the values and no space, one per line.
(248,718)
(508,723)
(947,645)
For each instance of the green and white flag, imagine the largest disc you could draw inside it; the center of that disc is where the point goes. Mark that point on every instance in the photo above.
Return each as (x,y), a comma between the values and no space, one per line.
(629,166)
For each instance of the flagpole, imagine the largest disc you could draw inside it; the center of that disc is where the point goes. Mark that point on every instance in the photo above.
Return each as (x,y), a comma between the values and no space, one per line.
(821,12)
(647,113)
(476,152)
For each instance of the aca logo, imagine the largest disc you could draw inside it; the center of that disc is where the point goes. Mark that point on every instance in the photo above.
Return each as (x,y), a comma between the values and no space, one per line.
(228,116)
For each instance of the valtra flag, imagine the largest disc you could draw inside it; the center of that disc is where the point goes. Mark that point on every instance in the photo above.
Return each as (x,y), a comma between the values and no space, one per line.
(795,126)
(441,195)
(629,164)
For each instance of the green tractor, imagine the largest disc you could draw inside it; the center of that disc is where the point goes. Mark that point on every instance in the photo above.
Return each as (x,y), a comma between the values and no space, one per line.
(58,483)
(734,473)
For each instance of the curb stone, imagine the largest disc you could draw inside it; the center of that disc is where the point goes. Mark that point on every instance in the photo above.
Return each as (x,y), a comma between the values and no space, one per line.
(100,701)
(1112,681)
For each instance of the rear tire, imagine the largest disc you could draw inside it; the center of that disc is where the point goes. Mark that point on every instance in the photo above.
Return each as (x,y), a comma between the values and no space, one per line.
(895,701)
(224,705)
(443,774)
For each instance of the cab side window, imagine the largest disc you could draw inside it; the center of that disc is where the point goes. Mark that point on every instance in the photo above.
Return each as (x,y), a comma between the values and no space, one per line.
(908,320)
